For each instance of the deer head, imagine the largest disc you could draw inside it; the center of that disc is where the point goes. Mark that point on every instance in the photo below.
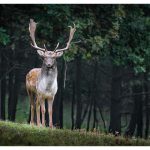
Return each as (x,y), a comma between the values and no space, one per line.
(48,56)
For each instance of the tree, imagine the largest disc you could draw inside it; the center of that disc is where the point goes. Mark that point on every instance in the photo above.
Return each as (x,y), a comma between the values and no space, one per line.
(136,121)
(115,108)
(4,40)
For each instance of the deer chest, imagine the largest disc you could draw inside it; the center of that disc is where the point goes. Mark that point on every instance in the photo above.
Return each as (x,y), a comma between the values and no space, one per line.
(47,87)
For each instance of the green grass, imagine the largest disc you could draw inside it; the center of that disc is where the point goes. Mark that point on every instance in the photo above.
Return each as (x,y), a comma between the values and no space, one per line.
(24,134)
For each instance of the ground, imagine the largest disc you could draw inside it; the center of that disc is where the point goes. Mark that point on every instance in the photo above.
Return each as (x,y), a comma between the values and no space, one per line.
(24,134)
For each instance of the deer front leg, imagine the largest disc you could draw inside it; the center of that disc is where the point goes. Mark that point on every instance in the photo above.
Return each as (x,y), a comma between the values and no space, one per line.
(43,112)
(38,111)
(50,111)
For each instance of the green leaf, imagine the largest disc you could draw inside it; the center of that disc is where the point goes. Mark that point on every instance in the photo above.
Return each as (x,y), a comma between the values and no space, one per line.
(4,37)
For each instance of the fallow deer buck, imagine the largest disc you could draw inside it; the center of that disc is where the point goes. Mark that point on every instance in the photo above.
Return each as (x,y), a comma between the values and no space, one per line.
(42,82)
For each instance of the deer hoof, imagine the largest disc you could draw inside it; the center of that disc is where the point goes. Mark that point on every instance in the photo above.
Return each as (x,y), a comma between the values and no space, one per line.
(43,124)
(32,123)
(39,125)
(52,127)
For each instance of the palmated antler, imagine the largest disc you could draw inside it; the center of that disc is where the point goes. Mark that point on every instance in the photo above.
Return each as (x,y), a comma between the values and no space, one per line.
(32,28)
(72,31)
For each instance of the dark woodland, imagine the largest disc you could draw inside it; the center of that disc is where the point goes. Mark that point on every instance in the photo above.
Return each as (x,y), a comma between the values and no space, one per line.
(104,77)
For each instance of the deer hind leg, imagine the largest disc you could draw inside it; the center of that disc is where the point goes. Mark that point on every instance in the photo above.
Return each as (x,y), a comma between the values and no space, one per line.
(32,106)
(50,111)
(43,112)
(38,110)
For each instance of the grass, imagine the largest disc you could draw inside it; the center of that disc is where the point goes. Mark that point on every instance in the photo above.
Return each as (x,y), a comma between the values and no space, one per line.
(24,134)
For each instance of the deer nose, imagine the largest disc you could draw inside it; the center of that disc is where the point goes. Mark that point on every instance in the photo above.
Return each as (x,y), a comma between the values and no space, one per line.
(49,65)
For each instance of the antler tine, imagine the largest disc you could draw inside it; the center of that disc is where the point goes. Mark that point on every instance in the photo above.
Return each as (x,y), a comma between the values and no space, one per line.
(56,46)
(72,31)
(45,47)
(32,28)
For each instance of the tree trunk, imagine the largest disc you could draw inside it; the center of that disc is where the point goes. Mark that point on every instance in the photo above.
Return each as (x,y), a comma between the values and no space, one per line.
(61,94)
(16,88)
(140,118)
(136,117)
(78,92)
(93,97)
(3,87)
(0,102)
(10,93)
(115,108)
(89,115)
(94,93)
(72,105)
(94,115)
(104,125)
(87,107)
(146,100)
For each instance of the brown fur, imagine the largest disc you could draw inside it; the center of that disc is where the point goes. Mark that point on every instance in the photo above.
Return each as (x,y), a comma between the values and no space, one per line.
(31,79)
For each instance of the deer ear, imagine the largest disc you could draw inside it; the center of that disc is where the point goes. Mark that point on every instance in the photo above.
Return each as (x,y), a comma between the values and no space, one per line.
(58,54)
(41,53)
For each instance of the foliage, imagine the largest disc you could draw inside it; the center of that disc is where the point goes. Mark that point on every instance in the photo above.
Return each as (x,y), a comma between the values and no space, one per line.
(122,33)
(23,134)
(4,37)
(131,47)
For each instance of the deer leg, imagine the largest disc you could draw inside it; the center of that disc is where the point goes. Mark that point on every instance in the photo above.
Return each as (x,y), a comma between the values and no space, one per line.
(43,112)
(50,111)
(32,107)
(32,114)
(38,111)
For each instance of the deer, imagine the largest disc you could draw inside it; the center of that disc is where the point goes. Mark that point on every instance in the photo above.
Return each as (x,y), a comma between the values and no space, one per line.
(42,82)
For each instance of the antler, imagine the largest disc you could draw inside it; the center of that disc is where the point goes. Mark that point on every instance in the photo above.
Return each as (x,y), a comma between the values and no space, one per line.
(32,28)
(72,31)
